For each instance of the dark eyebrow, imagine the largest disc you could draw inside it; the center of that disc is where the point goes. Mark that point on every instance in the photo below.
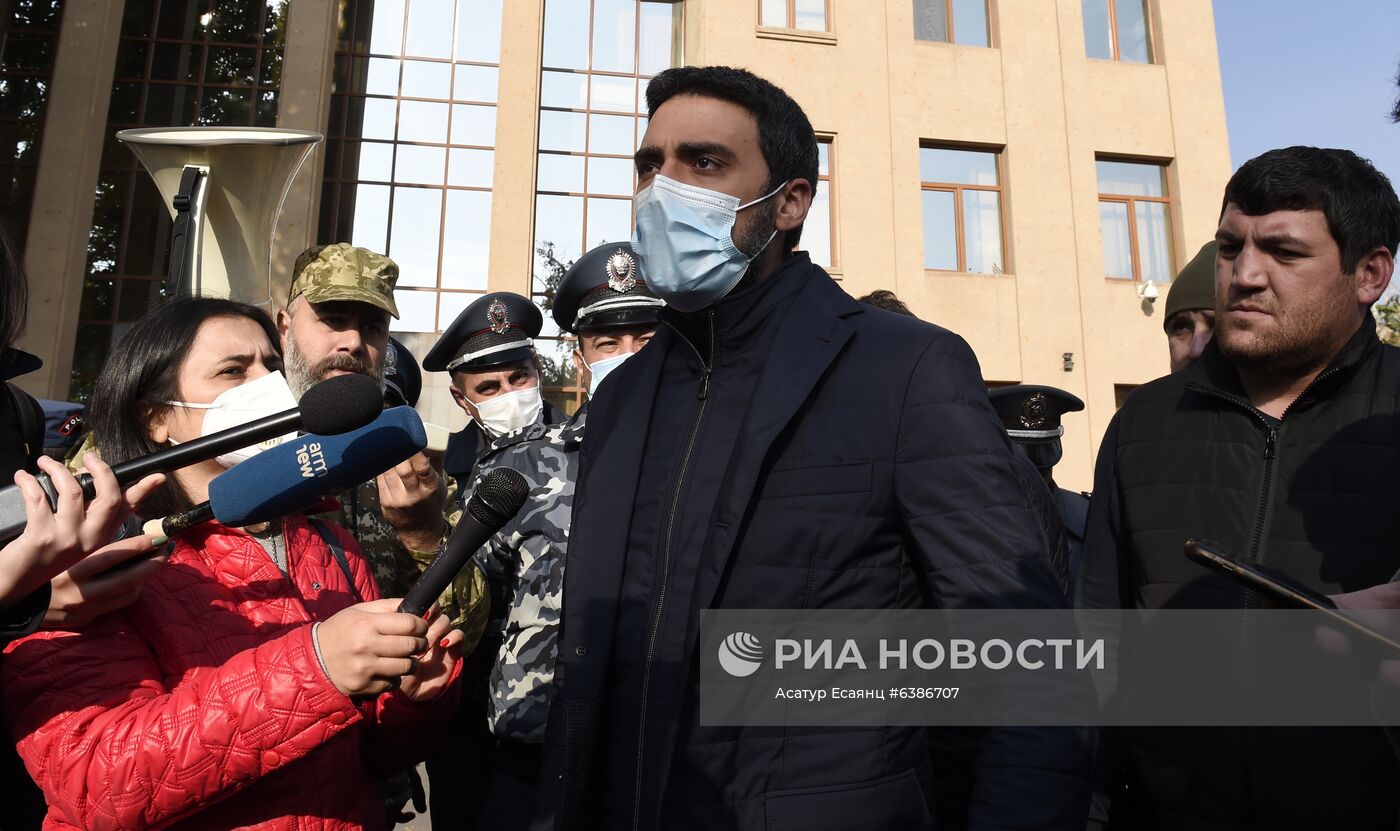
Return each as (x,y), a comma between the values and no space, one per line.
(237,359)
(1283,241)
(695,149)
(648,153)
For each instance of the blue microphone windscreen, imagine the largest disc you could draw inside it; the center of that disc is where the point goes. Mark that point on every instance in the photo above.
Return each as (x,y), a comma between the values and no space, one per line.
(296,474)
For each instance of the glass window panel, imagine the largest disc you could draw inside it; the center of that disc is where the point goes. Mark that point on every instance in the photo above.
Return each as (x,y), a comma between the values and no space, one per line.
(235,21)
(476,83)
(429,28)
(940,231)
(1098,40)
(1132,30)
(657,37)
(371,209)
(564,45)
(610,176)
(816,231)
(823,158)
(479,30)
(558,221)
(562,131)
(609,220)
(963,167)
(560,173)
(382,76)
(1129,179)
(564,89)
(615,94)
(176,62)
(386,31)
(811,15)
(466,246)
(474,124)
(1117,245)
(1154,241)
(231,65)
(452,304)
(131,59)
(422,121)
(169,104)
(970,22)
(137,297)
(425,79)
(774,13)
(225,106)
(615,35)
(414,237)
(611,134)
(419,165)
(415,311)
(376,161)
(982,231)
(378,119)
(931,20)
(470,168)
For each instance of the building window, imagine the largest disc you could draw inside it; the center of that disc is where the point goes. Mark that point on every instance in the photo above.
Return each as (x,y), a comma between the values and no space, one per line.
(598,56)
(962,210)
(178,64)
(818,238)
(810,15)
(1118,30)
(410,150)
(28,40)
(952,21)
(1135,220)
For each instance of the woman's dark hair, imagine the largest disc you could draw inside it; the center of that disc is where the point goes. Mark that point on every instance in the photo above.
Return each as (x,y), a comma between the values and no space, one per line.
(1358,201)
(785,136)
(14,294)
(143,372)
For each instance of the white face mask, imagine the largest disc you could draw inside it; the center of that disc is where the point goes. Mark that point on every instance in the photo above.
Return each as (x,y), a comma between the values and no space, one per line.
(599,370)
(236,406)
(510,411)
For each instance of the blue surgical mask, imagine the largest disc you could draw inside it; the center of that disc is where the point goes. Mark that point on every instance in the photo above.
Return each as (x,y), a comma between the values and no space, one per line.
(599,370)
(684,244)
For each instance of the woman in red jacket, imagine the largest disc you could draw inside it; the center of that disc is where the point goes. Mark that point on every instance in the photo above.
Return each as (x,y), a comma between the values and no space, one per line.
(258,681)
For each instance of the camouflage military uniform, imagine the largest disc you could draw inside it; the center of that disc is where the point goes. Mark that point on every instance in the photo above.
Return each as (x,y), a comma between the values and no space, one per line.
(524,563)
(396,568)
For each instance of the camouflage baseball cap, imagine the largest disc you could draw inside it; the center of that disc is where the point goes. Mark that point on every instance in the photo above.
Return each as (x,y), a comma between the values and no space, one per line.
(343,272)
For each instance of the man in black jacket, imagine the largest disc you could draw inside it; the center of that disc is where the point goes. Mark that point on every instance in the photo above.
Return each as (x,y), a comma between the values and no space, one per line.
(778,445)
(1277,443)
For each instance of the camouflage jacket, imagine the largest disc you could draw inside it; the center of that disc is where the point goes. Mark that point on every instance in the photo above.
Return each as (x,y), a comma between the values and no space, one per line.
(524,563)
(396,568)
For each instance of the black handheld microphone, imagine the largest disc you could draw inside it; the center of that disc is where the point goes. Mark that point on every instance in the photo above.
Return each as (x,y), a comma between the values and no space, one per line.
(335,405)
(499,497)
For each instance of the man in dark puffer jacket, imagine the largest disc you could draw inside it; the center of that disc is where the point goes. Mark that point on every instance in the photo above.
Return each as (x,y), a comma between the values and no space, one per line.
(1277,443)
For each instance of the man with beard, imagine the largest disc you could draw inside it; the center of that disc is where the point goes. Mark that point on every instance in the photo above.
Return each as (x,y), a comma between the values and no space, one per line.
(337,322)
(1275,443)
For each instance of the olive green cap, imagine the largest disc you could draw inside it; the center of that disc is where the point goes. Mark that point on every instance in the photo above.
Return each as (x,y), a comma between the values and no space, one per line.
(341,271)
(1194,288)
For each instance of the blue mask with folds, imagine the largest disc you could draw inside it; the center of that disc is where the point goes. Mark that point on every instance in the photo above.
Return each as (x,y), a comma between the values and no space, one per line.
(684,244)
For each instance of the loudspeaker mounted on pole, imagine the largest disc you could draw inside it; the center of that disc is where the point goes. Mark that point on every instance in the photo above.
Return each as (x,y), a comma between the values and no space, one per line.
(224,188)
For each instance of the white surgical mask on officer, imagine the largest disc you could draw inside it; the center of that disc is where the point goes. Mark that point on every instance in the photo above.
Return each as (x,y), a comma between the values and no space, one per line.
(598,370)
(501,415)
(684,242)
(245,403)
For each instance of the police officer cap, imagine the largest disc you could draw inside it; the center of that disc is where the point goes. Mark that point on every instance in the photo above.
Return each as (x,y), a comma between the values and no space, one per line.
(605,288)
(1031,413)
(499,328)
(403,382)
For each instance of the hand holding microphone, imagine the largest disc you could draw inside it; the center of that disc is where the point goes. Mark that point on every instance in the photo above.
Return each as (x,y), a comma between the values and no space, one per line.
(370,648)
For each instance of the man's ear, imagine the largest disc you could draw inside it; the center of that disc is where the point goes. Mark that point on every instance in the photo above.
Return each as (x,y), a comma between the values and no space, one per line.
(1373,275)
(284,326)
(794,202)
(581,367)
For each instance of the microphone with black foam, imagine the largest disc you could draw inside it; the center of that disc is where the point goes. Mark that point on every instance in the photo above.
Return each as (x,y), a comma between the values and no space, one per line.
(499,497)
(297,474)
(334,406)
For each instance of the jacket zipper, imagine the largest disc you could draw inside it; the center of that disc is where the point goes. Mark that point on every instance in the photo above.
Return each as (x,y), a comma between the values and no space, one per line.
(660,602)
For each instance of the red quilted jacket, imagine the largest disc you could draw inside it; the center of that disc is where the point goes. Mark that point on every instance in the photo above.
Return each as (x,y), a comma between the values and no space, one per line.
(203,704)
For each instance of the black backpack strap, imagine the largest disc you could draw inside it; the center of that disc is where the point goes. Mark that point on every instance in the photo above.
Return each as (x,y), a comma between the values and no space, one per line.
(31,421)
(337,551)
